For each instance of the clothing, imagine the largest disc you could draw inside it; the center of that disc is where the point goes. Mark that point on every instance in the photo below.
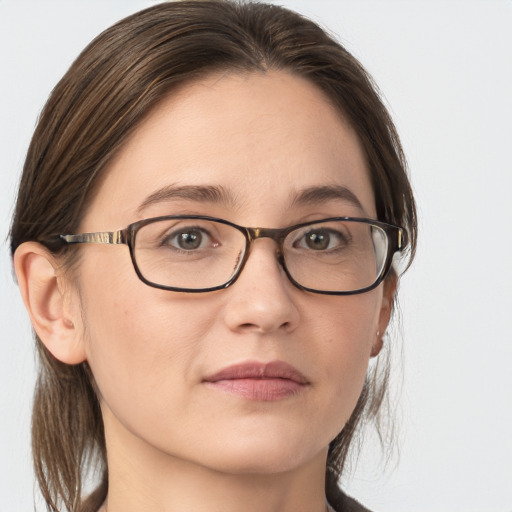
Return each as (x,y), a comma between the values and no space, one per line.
(338,501)
(350,505)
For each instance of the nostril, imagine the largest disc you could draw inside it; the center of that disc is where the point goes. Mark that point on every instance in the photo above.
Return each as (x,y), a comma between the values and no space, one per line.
(248,326)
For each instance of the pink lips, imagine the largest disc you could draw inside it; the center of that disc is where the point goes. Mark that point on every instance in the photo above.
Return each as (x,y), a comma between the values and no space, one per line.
(259,381)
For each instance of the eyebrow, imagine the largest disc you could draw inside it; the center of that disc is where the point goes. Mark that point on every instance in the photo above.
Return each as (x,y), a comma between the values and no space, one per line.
(198,193)
(314,195)
(219,195)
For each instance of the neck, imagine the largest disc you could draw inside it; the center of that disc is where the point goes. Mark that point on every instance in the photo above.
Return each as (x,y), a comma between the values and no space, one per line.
(143,478)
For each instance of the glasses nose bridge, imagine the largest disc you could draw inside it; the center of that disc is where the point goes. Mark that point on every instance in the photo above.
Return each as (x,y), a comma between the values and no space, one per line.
(276,234)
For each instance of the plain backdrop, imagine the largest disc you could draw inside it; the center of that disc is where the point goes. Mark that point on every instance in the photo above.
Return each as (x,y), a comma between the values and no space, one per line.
(445,70)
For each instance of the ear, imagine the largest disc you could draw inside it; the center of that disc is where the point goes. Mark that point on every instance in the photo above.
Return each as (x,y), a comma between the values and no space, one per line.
(388,297)
(46,295)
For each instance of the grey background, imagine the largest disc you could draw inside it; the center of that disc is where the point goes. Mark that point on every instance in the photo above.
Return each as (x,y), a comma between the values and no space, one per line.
(445,68)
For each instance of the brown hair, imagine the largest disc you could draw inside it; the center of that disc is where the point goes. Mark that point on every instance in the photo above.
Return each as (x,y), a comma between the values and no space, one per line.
(112,85)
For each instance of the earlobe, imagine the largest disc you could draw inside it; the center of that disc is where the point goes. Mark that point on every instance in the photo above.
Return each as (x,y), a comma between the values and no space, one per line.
(388,297)
(48,303)
(377,344)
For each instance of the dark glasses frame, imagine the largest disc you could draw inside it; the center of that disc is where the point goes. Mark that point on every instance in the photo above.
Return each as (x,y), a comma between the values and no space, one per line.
(396,236)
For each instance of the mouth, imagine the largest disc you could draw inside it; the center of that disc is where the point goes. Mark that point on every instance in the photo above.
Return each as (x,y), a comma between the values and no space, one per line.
(253,380)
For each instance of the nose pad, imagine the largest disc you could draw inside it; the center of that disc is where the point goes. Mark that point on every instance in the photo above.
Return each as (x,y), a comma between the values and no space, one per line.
(261,298)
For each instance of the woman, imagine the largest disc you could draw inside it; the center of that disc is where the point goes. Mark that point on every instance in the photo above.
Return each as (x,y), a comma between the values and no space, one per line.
(220,361)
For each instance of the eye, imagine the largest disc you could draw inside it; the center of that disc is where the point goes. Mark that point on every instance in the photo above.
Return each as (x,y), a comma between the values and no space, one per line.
(321,240)
(188,239)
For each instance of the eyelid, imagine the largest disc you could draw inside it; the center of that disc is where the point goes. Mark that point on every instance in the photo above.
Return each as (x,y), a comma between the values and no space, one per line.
(323,226)
(190,227)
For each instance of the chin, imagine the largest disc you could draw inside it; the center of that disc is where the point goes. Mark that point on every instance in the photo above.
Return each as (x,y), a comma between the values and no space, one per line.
(268,456)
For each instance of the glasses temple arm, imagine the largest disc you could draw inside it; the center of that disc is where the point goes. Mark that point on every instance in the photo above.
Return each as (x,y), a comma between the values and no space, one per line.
(105,237)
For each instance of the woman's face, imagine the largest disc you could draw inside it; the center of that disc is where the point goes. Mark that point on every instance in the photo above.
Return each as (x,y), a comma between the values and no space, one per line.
(262,140)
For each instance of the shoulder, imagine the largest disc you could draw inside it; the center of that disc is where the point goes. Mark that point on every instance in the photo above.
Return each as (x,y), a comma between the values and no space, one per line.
(344,503)
(339,501)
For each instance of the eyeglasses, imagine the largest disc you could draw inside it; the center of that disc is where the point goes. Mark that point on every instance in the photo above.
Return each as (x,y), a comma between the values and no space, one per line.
(195,253)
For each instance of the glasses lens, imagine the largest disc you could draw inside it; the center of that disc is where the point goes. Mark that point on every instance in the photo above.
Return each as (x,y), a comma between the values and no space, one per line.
(337,256)
(188,253)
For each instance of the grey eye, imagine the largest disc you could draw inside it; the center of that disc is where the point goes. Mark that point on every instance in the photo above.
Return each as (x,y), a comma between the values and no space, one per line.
(321,240)
(189,240)
(186,240)
(318,240)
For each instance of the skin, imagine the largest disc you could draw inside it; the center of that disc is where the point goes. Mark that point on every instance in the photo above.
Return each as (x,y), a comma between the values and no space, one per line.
(173,442)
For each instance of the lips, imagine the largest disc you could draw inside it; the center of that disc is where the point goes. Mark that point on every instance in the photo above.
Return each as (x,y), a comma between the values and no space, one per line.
(252,380)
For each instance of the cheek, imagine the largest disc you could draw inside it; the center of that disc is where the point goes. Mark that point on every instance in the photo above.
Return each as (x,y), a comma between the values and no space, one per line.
(348,331)
(139,340)
(349,324)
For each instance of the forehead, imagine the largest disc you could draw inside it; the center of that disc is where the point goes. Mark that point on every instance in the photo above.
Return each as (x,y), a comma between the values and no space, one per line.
(260,137)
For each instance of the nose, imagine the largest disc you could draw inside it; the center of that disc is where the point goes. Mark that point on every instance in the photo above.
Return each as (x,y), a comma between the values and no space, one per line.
(261,300)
